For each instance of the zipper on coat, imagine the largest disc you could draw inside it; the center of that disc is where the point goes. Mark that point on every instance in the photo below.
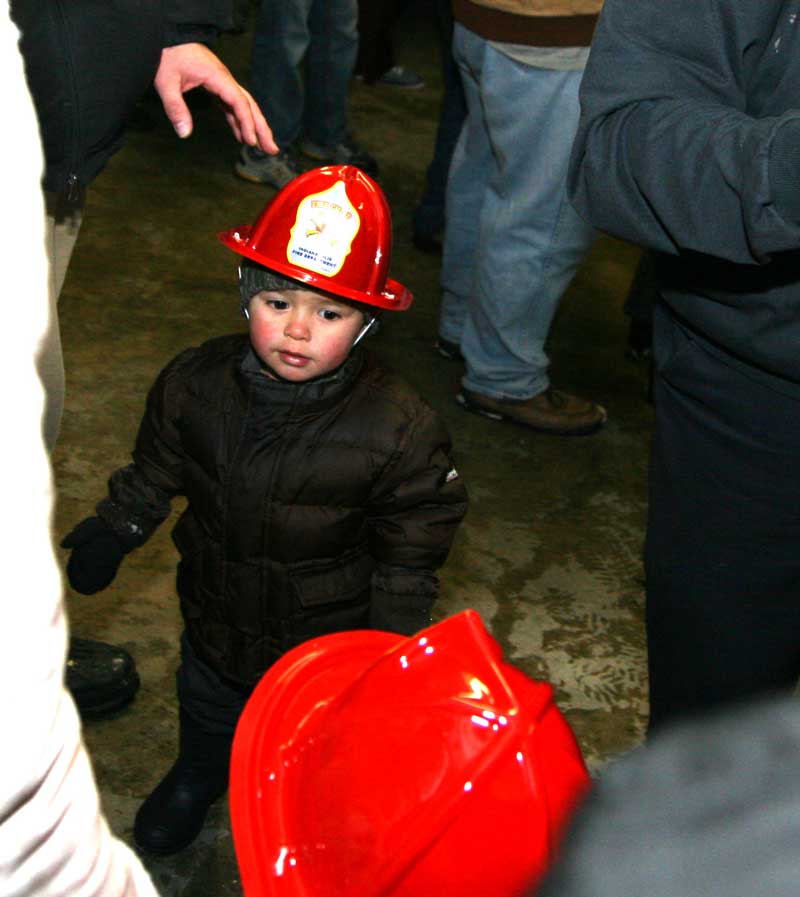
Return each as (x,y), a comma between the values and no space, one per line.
(73,187)
(72,140)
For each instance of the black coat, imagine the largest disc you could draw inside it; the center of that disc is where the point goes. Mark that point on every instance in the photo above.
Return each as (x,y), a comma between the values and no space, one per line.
(312,507)
(88,62)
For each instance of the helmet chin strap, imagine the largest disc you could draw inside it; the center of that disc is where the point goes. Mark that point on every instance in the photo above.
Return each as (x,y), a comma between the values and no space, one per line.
(363,332)
(244,309)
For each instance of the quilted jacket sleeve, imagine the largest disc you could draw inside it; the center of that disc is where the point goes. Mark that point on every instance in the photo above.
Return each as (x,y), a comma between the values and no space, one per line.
(140,494)
(414,515)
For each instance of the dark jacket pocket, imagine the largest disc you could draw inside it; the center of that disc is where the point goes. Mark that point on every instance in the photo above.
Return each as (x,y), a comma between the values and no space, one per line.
(338,580)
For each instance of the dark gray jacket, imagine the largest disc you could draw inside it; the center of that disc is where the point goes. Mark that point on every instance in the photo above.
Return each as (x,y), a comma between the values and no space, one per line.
(708,808)
(312,508)
(88,62)
(689,144)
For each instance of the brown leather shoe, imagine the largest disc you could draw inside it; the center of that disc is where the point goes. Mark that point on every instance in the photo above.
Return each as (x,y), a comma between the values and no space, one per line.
(552,411)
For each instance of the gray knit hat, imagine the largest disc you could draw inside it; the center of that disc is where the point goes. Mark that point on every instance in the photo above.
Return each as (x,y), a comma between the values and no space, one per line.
(253,278)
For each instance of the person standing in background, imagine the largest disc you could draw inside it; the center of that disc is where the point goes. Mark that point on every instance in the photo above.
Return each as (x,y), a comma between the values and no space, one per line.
(689,145)
(376,63)
(304,56)
(428,220)
(512,241)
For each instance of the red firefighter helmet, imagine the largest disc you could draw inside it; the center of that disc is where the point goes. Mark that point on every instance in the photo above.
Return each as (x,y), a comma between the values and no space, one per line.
(368,764)
(331,229)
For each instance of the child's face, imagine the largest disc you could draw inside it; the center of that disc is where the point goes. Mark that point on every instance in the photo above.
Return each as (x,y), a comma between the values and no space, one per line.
(301,334)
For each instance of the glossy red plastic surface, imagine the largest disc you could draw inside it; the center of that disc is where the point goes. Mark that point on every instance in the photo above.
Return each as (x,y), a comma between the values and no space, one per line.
(331,229)
(367,764)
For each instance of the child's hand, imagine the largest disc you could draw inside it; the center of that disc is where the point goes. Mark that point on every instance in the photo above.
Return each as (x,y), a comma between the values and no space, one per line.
(96,555)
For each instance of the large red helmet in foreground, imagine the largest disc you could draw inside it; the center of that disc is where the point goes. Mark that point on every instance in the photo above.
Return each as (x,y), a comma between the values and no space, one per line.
(368,764)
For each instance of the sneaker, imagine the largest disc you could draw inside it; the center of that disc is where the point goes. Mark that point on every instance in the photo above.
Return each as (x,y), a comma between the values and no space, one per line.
(348,152)
(101,678)
(261,168)
(447,349)
(399,76)
(552,411)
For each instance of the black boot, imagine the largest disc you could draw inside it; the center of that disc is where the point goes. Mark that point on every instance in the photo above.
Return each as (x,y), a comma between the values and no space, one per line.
(173,815)
(101,678)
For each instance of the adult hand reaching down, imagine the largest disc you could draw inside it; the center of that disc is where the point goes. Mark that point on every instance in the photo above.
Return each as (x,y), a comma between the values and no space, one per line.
(186,66)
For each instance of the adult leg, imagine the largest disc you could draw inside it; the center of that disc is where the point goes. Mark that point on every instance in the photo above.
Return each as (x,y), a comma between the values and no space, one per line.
(466,188)
(331,59)
(531,240)
(331,62)
(723,570)
(429,215)
(375,47)
(280,42)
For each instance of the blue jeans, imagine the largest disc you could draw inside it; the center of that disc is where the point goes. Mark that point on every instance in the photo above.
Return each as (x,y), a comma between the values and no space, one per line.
(429,213)
(314,104)
(512,240)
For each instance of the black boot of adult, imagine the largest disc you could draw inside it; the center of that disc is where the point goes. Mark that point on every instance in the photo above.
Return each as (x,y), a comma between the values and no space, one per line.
(174,814)
(101,678)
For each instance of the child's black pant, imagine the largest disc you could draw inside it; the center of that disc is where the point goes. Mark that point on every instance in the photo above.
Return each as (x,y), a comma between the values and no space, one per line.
(211,705)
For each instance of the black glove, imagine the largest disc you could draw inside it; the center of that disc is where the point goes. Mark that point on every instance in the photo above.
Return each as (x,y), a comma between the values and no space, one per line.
(97,552)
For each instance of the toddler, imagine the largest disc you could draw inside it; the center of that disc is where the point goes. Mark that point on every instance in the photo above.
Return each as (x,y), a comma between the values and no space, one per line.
(322,495)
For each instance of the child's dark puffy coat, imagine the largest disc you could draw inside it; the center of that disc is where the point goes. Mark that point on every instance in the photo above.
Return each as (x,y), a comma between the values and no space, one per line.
(312,507)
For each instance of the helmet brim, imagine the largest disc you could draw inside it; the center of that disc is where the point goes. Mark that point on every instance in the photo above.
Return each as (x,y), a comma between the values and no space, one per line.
(281,710)
(393,297)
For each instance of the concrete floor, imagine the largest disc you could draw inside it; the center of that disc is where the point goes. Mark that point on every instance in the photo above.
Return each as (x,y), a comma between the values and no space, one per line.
(550,553)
